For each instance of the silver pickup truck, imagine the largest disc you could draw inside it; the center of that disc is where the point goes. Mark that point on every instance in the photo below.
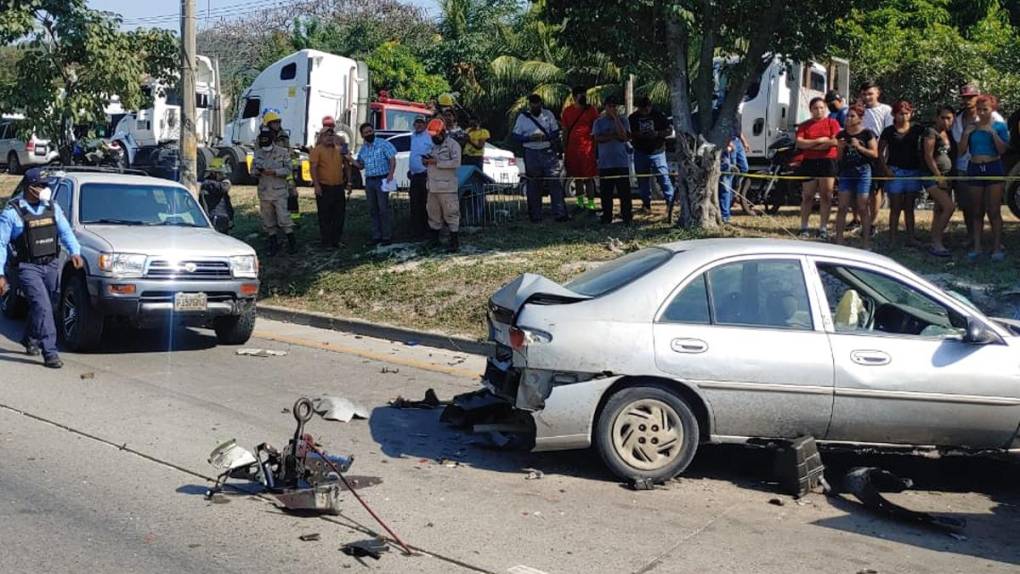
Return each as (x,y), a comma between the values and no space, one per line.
(151,257)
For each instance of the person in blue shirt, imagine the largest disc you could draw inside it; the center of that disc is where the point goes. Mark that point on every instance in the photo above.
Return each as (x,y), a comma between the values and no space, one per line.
(421,147)
(538,131)
(732,161)
(378,158)
(837,107)
(986,141)
(32,229)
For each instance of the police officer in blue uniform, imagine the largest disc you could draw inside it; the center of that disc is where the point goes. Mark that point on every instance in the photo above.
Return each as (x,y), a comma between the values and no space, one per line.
(32,230)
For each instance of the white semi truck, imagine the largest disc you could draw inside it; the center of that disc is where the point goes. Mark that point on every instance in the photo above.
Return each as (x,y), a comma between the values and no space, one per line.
(778,100)
(303,88)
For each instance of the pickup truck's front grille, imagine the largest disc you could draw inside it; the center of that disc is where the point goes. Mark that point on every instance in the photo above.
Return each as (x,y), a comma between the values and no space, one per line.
(161,269)
(168,296)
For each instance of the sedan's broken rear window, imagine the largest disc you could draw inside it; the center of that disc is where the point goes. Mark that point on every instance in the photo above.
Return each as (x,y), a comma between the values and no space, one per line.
(618,272)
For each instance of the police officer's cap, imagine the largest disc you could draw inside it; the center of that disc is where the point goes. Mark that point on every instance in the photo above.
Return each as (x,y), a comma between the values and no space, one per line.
(36,176)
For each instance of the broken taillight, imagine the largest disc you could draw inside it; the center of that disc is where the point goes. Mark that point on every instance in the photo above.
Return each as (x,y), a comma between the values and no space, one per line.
(517,339)
(520,338)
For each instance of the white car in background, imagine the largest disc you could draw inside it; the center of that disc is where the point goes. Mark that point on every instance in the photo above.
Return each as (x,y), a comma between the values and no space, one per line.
(18,154)
(498,164)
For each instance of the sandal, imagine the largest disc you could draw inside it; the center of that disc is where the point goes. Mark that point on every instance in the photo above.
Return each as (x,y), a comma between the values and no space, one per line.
(972,256)
(940,252)
(999,255)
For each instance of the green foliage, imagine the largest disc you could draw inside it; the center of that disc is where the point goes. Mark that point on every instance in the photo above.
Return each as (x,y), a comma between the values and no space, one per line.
(395,68)
(70,60)
(917,52)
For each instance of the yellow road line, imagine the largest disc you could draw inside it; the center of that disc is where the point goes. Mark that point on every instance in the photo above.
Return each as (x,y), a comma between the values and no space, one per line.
(333,348)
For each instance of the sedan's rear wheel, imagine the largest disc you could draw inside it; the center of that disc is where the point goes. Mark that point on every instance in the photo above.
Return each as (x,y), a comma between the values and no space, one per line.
(647,432)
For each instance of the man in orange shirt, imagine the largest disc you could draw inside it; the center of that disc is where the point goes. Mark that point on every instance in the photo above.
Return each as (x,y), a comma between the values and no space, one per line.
(331,170)
(579,160)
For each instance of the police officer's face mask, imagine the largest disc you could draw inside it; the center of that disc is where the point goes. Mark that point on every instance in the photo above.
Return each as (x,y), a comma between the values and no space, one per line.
(45,194)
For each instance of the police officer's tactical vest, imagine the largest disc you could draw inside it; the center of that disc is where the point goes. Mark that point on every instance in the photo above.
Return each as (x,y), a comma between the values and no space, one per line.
(39,238)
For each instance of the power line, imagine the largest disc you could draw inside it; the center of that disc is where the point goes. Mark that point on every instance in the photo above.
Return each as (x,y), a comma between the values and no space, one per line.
(222,11)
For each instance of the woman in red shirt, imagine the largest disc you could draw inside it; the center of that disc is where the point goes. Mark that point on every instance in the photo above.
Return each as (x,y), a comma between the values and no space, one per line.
(579,160)
(817,137)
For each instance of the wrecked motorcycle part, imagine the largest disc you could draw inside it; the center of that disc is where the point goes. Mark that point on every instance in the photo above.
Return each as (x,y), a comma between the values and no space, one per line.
(866,483)
(322,498)
(799,468)
(300,476)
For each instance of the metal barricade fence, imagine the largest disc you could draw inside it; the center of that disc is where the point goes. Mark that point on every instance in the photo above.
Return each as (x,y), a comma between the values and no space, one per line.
(481,204)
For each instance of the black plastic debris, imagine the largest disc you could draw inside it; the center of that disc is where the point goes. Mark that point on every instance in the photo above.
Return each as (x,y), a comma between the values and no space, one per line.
(867,482)
(799,468)
(430,401)
(311,537)
(479,407)
(371,548)
(642,484)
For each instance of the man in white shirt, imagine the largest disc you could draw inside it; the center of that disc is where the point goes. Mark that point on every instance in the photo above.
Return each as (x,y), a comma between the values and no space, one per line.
(877,117)
(966,116)
(538,131)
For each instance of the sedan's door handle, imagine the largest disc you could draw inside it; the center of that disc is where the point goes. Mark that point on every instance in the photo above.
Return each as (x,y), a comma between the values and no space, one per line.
(870,358)
(689,346)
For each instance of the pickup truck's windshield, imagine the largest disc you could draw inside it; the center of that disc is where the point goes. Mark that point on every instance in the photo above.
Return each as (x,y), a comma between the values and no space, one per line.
(123,204)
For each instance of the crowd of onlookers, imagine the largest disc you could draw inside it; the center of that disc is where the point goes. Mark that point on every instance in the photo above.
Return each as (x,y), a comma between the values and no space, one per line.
(872,149)
(854,153)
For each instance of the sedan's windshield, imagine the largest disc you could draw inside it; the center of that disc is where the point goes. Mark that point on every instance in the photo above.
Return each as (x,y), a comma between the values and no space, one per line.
(618,272)
(121,204)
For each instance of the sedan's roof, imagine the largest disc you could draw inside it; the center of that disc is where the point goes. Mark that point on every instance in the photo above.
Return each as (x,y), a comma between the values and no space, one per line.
(736,247)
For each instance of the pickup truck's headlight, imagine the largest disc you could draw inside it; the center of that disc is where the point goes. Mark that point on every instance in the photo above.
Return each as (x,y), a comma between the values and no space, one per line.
(122,264)
(246,266)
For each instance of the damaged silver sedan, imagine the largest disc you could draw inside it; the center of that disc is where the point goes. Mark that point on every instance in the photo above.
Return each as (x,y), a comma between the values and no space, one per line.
(663,349)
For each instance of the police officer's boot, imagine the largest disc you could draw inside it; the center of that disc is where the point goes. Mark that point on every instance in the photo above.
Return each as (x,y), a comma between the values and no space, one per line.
(433,238)
(273,246)
(454,242)
(291,244)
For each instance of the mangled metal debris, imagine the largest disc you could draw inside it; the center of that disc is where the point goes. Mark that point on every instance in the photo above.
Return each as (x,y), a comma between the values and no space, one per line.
(300,476)
(339,409)
(866,483)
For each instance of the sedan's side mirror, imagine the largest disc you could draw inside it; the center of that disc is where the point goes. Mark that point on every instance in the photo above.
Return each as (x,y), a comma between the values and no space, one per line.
(979,334)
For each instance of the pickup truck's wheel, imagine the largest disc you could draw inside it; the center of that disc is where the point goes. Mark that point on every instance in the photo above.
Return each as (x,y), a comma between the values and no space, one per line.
(236,329)
(81,325)
(647,432)
(13,164)
(13,305)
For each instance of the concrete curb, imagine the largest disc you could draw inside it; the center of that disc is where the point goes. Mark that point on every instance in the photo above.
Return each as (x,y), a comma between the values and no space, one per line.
(375,330)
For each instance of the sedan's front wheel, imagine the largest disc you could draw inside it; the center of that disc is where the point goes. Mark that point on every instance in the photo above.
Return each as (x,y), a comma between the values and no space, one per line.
(647,432)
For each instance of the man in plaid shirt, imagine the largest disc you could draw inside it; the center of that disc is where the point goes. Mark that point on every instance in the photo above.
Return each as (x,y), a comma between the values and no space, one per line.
(378,160)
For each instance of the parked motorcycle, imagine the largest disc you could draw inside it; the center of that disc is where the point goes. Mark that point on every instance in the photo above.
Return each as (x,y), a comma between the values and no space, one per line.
(98,152)
(769,195)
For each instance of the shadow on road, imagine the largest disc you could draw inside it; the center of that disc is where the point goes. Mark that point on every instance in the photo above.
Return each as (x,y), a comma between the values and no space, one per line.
(418,434)
(120,339)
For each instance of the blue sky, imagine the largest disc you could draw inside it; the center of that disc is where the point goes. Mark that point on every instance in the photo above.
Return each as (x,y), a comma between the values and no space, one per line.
(166,13)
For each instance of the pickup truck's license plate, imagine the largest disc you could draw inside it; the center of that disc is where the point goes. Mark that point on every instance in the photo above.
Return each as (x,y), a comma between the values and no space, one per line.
(191,302)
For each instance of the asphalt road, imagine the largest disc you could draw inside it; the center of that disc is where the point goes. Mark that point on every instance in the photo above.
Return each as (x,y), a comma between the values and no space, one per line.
(104,464)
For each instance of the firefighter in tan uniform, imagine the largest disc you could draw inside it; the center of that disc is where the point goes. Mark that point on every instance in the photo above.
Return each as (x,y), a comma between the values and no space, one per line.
(272,166)
(443,205)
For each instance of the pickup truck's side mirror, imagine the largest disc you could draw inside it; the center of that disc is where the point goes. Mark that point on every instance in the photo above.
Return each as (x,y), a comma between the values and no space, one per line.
(979,334)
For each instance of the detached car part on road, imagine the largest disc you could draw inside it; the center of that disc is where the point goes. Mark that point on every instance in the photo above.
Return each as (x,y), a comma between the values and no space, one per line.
(151,257)
(727,340)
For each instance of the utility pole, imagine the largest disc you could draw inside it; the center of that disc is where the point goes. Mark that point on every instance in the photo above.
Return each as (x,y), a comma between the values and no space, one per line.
(628,95)
(188,149)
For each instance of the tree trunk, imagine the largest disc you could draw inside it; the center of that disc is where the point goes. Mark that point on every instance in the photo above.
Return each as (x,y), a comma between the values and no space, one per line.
(697,198)
(699,190)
